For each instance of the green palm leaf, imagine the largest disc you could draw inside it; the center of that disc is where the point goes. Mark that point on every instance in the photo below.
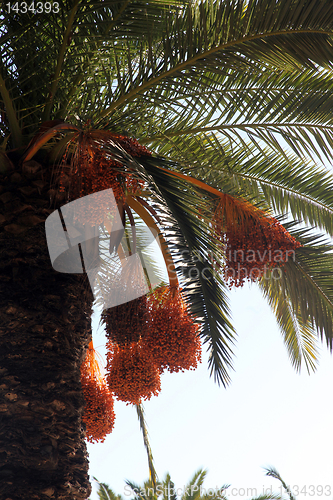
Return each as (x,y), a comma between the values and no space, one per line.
(105,492)
(300,337)
(303,298)
(272,472)
(277,180)
(263,108)
(191,244)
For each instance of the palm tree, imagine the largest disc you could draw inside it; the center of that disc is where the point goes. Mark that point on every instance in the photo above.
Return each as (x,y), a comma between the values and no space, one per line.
(166,490)
(194,489)
(210,88)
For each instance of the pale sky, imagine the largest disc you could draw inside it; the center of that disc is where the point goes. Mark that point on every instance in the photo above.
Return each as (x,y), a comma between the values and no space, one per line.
(269,416)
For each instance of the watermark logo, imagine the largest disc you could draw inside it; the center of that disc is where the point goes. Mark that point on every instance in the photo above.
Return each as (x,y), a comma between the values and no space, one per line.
(194,490)
(168,490)
(73,237)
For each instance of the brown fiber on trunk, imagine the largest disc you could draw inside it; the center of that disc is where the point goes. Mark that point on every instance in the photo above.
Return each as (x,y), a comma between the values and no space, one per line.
(44,333)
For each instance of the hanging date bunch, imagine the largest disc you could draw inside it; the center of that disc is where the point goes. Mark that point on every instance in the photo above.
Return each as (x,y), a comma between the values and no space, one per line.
(172,335)
(132,374)
(127,322)
(146,336)
(253,241)
(98,414)
(89,166)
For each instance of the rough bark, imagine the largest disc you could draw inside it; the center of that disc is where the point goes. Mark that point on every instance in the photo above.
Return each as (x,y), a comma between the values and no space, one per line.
(44,334)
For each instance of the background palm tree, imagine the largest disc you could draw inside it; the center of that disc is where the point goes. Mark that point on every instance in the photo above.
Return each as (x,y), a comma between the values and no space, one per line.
(210,88)
(193,490)
(166,489)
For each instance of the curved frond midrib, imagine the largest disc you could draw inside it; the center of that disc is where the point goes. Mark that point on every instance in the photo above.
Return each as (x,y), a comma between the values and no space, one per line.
(232,126)
(203,55)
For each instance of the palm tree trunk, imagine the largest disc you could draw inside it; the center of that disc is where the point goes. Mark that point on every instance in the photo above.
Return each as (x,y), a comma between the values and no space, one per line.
(44,333)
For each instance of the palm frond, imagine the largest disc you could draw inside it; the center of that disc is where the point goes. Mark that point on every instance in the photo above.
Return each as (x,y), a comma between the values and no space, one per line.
(191,244)
(105,493)
(11,114)
(192,490)
(300,337)
(138,491)
(65,45)
(265,108)
(302,298)
(228,34)
(168,488)
(272,472)
(165,43)
(278,181)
